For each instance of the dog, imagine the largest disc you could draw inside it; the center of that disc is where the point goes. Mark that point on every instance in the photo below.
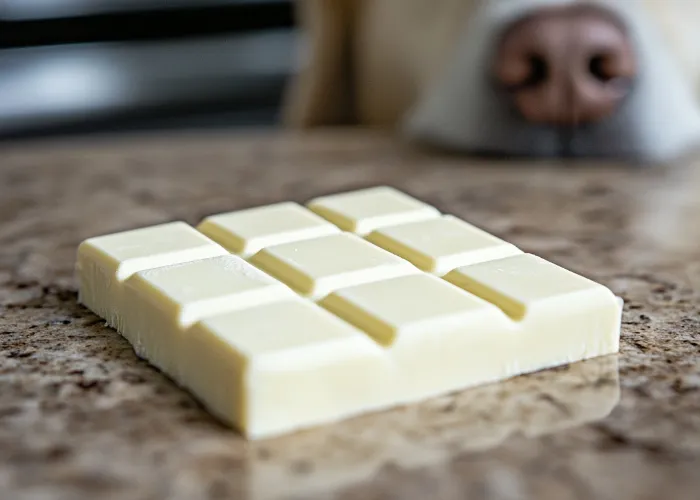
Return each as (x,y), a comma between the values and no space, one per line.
(532,78)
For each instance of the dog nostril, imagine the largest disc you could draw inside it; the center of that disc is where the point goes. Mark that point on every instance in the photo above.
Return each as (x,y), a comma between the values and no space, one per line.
(610,69)
(599,67)
(524,71)
(538,72)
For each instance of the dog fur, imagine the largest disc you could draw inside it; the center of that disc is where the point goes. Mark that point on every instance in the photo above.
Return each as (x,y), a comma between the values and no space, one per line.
(421,67)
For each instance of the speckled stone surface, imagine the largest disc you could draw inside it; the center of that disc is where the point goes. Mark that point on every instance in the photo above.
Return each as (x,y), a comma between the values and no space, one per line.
(82,418)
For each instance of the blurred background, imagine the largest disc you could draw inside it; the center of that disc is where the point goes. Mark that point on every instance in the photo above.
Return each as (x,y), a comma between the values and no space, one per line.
(92,66)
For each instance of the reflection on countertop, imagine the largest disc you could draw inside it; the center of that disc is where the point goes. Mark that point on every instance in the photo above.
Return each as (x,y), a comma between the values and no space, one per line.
(428,435)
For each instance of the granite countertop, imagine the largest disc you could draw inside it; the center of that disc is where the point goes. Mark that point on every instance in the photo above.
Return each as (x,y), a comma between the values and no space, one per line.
(82,418)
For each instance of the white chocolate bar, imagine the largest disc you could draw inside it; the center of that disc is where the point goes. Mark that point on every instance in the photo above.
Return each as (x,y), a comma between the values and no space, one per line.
(247,231)
(162,303)
(450,341)
(319,266)
(105,262)
(365,210)
(320,324)
(285,365)
(442,244)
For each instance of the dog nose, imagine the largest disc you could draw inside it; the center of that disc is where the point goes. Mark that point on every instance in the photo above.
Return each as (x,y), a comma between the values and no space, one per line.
(566,66)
